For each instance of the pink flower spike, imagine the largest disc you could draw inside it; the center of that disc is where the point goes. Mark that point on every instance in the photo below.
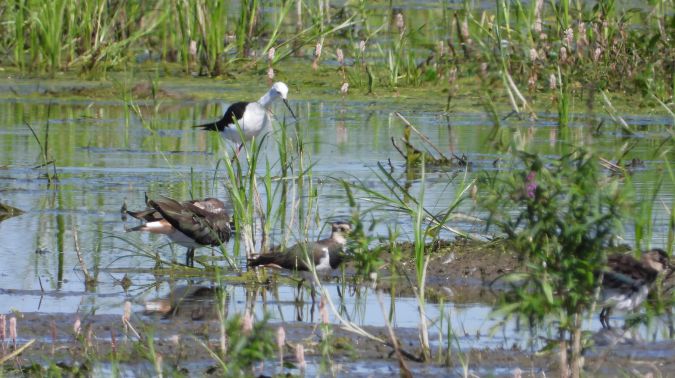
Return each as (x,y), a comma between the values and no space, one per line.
(563,54)
(340,56)
(247,323)
(323,311)
(531,184)
(344,88)
(300,356)
(552,82)
(400,24)
(12,329)
(113,342)
(569,37)
(281,337)
(77,326)
(3,324)
(281,341)
(127,311)
(192,50)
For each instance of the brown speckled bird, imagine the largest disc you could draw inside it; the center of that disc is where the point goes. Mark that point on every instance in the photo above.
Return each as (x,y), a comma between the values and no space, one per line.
(327,254)
(192,224)
(626,281)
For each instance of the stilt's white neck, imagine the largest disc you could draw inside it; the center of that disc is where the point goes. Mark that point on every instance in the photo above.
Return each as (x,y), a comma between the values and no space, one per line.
(267,99)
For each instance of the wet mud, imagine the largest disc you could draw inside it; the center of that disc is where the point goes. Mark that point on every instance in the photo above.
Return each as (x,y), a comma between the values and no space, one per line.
(183,331)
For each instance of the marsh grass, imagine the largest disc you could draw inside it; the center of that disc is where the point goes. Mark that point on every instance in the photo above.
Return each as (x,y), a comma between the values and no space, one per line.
(283,194)
(604,45)
(425,224)
(242,188)
(245,346)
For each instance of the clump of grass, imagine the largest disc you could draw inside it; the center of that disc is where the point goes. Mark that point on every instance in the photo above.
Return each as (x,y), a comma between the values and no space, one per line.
(599,47)
(424,224)
(248,342)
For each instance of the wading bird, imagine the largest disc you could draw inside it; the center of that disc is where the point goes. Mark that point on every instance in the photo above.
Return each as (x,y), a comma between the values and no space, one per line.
(192,224)
(626,281)
(250,117)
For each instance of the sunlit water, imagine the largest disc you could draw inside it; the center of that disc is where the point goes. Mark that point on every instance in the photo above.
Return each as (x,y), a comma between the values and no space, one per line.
(105,154)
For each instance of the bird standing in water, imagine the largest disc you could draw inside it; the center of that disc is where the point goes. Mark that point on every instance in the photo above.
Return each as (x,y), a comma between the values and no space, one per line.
(626,281)
(248,119)
(192,224)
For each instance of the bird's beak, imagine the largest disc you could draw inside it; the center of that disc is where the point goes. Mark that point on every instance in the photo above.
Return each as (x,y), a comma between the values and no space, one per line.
(289,108)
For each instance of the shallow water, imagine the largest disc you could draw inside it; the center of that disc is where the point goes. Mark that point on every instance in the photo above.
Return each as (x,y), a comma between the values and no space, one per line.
(106,154)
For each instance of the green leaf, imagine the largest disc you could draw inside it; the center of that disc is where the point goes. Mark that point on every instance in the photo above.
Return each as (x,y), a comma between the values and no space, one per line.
(548,292)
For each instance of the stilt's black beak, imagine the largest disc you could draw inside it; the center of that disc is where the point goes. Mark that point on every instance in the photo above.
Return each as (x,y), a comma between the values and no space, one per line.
(289,108)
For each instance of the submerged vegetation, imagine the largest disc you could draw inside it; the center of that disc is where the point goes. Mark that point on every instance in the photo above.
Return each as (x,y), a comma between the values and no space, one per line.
(558,208)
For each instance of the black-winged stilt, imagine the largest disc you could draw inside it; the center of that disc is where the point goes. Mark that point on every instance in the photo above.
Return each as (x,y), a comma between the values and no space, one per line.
(191,224)
(626,281)
(251,117)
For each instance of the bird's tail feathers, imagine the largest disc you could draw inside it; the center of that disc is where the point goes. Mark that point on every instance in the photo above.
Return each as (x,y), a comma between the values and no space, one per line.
(262,260)
(213,126)
(137,228)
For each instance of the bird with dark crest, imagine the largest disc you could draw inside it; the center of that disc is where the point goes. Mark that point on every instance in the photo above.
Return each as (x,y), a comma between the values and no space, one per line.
(325,254)
(191,224)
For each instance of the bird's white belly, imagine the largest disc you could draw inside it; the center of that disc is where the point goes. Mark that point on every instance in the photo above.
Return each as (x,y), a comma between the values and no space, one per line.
(624,301)
(324,262)
(255,119)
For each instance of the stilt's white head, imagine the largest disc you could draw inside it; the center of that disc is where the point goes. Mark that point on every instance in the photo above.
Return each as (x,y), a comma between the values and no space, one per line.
(279,89)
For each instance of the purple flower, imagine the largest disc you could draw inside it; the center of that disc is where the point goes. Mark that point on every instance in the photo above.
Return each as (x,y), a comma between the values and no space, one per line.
(531,184)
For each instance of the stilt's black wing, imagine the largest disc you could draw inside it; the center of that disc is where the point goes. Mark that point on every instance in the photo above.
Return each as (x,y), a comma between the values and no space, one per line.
(233,113)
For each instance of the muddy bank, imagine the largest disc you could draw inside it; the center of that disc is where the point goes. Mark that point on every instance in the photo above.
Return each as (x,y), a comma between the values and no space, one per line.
(185,346)
(463,270)
(182,333)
